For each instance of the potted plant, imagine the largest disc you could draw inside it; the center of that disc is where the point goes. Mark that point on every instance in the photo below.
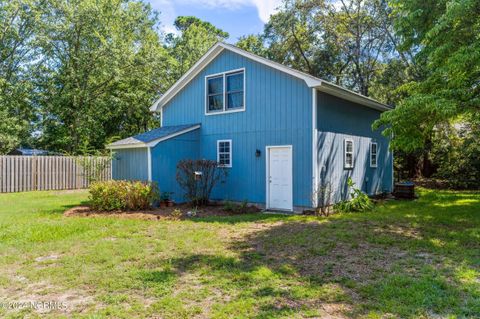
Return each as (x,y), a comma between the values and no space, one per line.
(166,199)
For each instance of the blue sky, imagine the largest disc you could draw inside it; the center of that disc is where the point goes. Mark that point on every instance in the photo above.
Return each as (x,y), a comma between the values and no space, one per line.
(237,17)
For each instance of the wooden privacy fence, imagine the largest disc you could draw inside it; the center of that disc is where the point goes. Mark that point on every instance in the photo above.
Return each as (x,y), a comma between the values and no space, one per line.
(32,173)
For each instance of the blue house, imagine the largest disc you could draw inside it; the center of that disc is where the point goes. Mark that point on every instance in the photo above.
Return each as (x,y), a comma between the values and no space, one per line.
(285,136)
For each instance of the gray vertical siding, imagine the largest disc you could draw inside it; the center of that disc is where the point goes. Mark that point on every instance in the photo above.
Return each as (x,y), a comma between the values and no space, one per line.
(339,119)
(278,112)
(130,164)
(165,157)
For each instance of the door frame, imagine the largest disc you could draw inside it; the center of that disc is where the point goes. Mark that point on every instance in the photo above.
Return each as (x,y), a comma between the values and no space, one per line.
(267,171)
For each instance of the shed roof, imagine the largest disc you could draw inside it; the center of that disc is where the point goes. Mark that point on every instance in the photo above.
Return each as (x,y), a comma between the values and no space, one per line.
(151,138)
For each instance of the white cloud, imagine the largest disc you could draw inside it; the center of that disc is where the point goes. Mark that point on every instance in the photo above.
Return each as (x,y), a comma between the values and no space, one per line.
(167,14)
(265,8)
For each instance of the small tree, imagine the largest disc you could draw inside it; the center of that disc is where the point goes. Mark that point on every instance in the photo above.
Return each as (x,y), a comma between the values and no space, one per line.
(94,163)
(323,197)
(198,178)
(358,201)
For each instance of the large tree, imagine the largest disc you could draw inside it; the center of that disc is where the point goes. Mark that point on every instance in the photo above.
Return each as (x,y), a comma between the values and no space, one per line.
(361,29)
(100,66)
(349,43)
(18,20)
(298,36)
(194,39)
(444,36)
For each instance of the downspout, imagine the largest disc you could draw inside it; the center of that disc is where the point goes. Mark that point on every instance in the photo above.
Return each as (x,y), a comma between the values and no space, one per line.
(314,150)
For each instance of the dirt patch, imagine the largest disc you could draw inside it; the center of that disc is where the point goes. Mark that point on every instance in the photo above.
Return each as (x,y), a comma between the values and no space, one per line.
(186,210)
(43,297)
(317,255)
(47,258)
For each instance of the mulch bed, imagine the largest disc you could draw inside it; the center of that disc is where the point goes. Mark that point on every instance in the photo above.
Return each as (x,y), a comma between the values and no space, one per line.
(160,213)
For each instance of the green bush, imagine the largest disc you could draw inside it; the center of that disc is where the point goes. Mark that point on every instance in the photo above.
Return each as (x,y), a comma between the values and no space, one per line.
(122,195)
(359,201)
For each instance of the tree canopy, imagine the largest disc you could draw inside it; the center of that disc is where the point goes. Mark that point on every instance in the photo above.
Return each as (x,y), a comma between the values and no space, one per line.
(444,35)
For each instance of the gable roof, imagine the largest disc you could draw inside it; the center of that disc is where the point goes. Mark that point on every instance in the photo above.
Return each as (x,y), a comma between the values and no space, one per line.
(153,137)
(310,80)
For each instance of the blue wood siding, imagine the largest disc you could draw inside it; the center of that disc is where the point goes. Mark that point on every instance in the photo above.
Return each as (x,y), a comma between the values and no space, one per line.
(278,112)
(130,164)
(165,157)
(338,119)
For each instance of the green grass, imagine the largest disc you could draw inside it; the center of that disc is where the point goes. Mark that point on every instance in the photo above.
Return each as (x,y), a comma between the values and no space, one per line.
(402,260)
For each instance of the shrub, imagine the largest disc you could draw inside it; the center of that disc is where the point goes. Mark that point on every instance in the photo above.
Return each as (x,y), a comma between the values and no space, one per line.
(176,214)
(198,187)
(122,195)
(359,201)
(239,208)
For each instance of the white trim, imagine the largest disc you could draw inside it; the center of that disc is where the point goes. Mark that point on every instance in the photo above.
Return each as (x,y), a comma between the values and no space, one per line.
(229,155)
(393,175)
(154,142)
(267,171)
(224,112)
(149,163)
(112,154)
(345,153)
(314,149)
(376,154)
(351,96)
(224,75)
(311,81)
(161,117)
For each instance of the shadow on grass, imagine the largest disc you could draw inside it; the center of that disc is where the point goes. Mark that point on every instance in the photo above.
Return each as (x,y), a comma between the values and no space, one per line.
(241,218)
(67,207)
(406,259)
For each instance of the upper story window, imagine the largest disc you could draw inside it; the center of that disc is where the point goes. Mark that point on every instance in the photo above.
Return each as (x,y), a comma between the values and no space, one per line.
(373,154)
(348,149)
(215,94)
(225,92)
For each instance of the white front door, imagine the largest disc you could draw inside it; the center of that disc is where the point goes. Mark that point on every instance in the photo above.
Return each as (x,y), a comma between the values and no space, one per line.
(279,177)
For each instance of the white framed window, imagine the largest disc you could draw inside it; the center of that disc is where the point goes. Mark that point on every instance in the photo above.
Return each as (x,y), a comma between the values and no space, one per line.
(348,153)
(215,94)
(224,153)
(225,92)
(373,154)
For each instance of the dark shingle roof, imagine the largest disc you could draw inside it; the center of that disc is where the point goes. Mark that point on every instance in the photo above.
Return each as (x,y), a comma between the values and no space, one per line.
(161,132)
(154,134)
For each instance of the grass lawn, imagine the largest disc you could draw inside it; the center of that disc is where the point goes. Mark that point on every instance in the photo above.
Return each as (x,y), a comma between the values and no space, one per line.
(402,260)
